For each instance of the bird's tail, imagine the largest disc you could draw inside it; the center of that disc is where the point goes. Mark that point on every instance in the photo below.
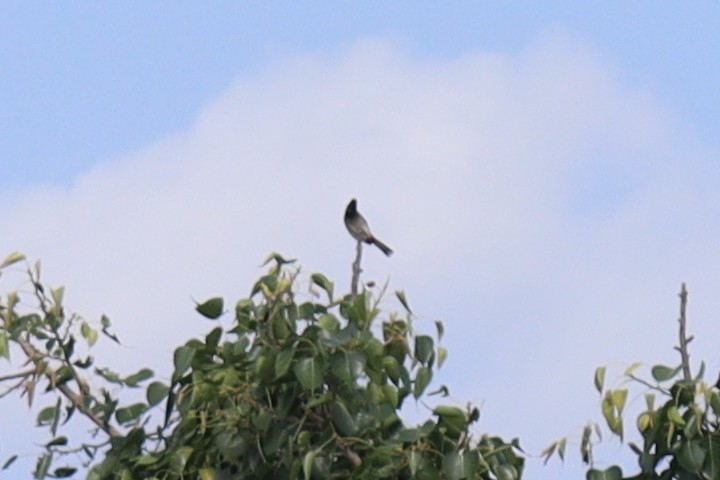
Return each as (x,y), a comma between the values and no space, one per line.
(386,250)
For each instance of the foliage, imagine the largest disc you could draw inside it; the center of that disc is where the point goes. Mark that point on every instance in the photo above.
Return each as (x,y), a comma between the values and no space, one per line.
(679,427)
(293,390)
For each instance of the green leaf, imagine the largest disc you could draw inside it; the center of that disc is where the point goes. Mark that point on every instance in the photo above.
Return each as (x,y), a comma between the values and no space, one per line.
(46,416)
(105,321)
(57,295)
(619,398)
(644,422)
(141,376)
(182,360)
(43,465)
(452,466)
(401,296)
(328,321)
(128,414)
(507,472)
(692,455)
(631,369)
(56,417)
(650,401)
(9,462)
(440,329)
(207,473)
(424,375)
(348,366)
(156,392)
(451,416)
(89,334)
(441,390)
(61,440)
(64,472)
(562,444)
(424,349)
(179,459)
(662,373)
(279,259)
(211,308)
(308,463)
(321,281)
(548,452)
(674,416)
(148,460)
(585,446)
(283,361)
(212,339)
(342,419)
(612,473)
(392,368)
(447,411)
(442,354)
(11,259)
(265,365)
(109,375)
(599,379)
(414,460)
(712,468)
(306,311)
(4,349)
(391,395)
(310,372)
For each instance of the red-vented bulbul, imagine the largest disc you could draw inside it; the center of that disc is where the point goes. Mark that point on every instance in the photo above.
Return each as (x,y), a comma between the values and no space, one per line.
(359,229)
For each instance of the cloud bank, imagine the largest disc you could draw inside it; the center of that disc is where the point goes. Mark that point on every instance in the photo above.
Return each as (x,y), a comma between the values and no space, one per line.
(545,210)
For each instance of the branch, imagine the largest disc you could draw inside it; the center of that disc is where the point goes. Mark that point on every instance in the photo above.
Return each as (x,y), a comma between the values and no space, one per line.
(23,374)
(13,388)
(684,341)
(77,399)
(356,271)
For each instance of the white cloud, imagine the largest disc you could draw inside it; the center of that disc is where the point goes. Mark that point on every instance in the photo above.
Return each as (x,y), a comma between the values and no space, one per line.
(542,208)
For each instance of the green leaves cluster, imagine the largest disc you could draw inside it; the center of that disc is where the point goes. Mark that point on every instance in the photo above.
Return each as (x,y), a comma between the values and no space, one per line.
(679,427)
(307,390)
(55,368)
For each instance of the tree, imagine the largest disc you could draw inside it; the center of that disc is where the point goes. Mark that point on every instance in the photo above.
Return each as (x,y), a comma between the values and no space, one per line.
(294,389)
(679,428)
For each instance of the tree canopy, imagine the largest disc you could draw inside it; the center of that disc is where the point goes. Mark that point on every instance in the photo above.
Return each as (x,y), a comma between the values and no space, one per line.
(295,389)
(309,385)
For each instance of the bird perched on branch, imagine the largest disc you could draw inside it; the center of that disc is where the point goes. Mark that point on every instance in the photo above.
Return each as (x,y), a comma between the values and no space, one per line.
(359,229)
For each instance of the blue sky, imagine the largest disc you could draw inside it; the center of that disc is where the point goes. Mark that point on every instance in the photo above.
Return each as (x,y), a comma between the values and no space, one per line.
(83,83)
(547,174)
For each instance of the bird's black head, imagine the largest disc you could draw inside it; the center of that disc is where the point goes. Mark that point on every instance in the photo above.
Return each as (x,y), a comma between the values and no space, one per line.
(351,209)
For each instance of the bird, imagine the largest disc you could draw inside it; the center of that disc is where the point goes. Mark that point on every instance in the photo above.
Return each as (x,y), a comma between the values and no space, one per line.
(359,229)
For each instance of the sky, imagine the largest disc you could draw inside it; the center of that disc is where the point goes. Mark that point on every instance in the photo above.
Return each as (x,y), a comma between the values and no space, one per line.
(547,175)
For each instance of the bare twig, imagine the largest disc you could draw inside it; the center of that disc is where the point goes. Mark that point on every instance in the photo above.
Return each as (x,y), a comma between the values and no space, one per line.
(648,384)
(22,374)
(356,271)
(13,388)
(684,340)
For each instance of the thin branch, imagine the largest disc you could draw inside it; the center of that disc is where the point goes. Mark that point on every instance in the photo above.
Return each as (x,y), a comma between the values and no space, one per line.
(13,388)
(22,374)
(77,399)
(684,340)
(356,271)
(648,384)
